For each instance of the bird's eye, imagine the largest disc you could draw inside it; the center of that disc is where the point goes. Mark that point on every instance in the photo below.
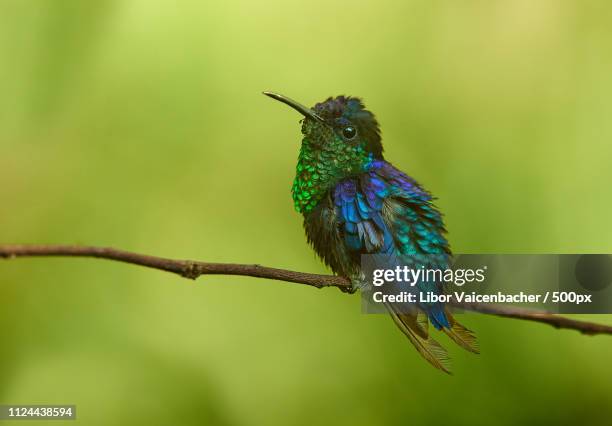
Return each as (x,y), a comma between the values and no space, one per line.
(349,132)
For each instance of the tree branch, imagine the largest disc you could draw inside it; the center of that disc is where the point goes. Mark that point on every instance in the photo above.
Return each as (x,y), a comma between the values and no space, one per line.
(193,269)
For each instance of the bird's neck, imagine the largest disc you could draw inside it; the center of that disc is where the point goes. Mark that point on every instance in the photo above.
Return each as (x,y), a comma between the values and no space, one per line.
(318,171)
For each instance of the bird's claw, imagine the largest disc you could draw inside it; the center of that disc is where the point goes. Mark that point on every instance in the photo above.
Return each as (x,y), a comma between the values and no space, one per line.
(357,283)
(349,289)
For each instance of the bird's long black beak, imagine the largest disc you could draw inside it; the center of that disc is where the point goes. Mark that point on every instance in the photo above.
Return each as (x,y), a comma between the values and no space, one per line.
(306,112)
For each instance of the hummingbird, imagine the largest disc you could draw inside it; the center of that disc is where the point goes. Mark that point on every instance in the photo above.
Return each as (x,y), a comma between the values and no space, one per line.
(356,203)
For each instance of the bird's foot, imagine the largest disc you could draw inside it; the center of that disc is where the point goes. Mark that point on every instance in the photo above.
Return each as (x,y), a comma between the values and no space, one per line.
(349,290)
(357,283)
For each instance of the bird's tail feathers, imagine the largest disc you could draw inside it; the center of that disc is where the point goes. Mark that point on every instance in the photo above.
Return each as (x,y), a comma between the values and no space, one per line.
(463,336)
(414,327)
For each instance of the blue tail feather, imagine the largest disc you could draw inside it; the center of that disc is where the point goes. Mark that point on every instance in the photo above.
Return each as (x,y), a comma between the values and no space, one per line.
(437,316)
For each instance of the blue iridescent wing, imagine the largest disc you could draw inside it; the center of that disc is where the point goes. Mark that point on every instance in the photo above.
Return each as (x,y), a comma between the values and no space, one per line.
(385,212)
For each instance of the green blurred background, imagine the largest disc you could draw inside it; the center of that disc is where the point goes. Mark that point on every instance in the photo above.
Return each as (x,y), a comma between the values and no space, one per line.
(141,125)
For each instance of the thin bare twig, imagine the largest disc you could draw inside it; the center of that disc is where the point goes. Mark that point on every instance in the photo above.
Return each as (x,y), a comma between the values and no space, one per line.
(194,269)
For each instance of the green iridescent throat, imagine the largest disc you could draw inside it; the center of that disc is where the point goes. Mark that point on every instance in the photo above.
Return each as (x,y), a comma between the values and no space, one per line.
(320,168)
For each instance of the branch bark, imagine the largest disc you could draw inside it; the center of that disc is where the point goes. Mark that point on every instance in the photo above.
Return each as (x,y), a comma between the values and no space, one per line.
(194,269)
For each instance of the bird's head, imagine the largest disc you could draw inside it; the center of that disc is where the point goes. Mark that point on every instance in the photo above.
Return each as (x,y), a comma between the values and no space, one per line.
(339,126)
(340,139)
